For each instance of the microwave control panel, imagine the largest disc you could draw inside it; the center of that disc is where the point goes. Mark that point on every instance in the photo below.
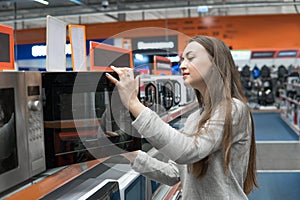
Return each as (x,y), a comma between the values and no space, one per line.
(35,123)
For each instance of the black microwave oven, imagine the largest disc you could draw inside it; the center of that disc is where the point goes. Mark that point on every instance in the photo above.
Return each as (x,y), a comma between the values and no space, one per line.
(84,118)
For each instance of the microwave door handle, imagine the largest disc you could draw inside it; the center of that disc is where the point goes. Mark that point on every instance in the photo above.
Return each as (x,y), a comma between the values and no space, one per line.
(108,120)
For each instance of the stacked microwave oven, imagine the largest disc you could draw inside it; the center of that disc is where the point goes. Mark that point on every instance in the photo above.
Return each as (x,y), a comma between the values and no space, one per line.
(22,152)
(84,118)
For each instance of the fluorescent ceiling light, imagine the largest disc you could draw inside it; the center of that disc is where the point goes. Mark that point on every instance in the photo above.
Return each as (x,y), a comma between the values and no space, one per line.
(42,2)
(76,1)
(202,9)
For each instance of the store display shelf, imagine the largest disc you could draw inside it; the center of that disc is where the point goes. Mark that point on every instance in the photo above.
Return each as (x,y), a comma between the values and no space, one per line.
(290,100)
(266,109)
(50,182)
(292,84)
(294,127)
(179,111)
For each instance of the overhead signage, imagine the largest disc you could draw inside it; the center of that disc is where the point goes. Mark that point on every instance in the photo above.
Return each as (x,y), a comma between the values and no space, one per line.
(155,45)
(163,43)
(289,53)
(262,54)
(241,54)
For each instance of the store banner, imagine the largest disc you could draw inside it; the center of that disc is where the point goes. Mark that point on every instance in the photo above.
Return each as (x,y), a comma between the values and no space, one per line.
(159,43)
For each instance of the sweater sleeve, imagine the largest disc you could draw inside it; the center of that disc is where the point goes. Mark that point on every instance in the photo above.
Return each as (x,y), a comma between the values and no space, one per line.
(183,148)
(163,172)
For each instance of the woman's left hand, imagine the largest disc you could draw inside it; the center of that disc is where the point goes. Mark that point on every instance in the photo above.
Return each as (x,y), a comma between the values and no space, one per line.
(127,85)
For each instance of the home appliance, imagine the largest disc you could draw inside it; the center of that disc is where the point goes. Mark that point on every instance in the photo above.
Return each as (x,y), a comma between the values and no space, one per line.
(22,154)
(176,91)
(165,94)
(111,179)
(95,183)
(148,91)
(87,189)
(182,94)
(176,86)
(162,93)
(84,118)
(156,92)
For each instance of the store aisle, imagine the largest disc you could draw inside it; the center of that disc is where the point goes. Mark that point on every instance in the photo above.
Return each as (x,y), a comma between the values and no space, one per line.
(277,186)
(270,127)
(281,184)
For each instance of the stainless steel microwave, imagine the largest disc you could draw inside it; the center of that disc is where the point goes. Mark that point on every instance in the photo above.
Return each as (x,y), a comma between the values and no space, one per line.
(22,152)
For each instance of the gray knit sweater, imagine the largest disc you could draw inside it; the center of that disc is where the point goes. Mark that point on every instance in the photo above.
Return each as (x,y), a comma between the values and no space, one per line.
(182,149)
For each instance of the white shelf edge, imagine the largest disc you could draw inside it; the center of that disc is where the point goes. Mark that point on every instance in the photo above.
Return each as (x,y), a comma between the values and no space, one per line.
(290,100)
(295,128)
(293,84)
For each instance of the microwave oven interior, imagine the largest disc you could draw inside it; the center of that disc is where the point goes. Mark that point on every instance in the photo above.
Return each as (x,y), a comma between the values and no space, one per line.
(84,118)
(8,143)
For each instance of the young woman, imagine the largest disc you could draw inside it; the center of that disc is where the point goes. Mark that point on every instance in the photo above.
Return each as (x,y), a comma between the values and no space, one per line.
(214,156)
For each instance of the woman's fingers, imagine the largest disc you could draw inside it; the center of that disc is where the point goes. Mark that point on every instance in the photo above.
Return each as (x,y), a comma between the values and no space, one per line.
(111,78)
(117,70)
(137,82)
(111,134)
(124,71)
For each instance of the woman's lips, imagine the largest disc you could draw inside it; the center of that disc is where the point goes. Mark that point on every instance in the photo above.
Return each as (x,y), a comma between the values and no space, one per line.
(185,75)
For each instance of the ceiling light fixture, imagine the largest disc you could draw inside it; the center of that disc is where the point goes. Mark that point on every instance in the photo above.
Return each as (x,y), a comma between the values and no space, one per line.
(76,2)
(202,9)
(42,2)
(104,3)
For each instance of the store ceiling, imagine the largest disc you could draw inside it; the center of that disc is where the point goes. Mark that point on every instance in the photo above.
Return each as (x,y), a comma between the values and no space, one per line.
(23,14)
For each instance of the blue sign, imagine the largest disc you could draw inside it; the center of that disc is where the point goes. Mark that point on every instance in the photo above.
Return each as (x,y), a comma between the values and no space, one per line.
(39,50)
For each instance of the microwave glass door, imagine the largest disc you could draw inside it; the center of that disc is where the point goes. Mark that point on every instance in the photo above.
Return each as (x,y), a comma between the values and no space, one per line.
(107,122)
(84,119)
(8,143)
(101,127)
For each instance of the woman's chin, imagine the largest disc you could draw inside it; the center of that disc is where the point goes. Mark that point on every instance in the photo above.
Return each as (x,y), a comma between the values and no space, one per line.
(187,83)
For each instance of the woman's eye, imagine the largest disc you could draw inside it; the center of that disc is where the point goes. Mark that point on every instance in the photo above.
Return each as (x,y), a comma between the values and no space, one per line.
(190,58)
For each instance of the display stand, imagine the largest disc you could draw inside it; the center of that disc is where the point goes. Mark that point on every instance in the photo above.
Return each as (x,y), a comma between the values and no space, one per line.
(51,180)
(290,110)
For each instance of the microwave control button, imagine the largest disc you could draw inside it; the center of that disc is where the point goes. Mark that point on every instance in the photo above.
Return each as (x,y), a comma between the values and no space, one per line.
(34,105)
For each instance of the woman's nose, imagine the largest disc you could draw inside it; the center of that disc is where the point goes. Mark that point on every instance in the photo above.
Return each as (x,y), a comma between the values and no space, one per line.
(182,66)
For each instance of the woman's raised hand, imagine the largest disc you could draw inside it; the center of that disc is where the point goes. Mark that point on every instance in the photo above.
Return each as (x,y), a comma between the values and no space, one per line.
(127,86)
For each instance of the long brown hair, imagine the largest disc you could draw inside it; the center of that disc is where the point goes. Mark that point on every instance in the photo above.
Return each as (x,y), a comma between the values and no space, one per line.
(228,74)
